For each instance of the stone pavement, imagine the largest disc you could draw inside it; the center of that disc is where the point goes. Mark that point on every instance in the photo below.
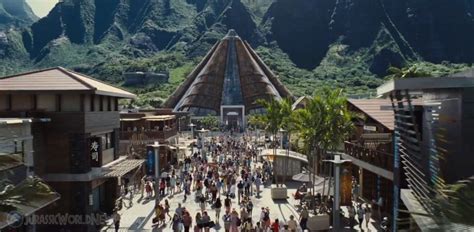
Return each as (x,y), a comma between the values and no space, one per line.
(137,213)
(139,216)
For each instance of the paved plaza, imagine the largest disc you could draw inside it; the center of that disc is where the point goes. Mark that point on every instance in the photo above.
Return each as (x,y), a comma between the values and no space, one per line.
(138,211)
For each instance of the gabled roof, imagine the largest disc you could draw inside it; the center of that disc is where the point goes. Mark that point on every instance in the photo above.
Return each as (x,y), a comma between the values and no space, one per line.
(379,110)
(300,102)
(59,79)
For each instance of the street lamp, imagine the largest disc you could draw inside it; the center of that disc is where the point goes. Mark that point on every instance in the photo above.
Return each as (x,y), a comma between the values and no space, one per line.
(192,125)
(337,161)
(156,147)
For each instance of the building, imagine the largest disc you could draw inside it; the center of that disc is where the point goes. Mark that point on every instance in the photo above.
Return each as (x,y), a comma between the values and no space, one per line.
(75,141)
(433,146)
(17,176)
(370,149)
(227,83)
(144,78)
(142,128)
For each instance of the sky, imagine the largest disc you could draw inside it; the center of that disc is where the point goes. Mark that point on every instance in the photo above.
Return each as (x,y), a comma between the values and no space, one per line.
(41,7)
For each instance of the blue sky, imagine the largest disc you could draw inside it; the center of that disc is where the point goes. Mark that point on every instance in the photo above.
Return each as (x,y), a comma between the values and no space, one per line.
(41,7)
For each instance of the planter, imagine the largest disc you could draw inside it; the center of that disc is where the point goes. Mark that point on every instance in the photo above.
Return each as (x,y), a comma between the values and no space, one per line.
(279,193)
(318,223)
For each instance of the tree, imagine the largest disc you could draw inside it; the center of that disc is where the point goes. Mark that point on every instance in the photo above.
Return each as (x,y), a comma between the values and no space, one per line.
(323,124)
(210,122)
(407,72)
(272,119)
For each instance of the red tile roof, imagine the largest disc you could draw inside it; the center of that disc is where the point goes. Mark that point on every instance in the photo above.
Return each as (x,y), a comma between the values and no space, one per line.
(59,79)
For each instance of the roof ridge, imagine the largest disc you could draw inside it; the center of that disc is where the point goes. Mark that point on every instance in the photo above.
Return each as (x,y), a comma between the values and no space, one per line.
(68,72)
(28,72)
(94,79)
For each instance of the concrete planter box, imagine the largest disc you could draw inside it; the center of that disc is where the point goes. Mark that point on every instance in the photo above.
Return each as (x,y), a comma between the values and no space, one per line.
(279,193)
(318,223)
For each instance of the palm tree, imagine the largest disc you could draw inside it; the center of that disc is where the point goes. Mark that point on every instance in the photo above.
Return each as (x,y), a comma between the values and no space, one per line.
(273,118)
(323,124)
(407,72)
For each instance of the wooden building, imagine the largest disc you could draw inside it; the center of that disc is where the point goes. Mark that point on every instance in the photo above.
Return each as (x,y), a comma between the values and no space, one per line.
(370,149)
(142,128)
(433,148)
(76,148)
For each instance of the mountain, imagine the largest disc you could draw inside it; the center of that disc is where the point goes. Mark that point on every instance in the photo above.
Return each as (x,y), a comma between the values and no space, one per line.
(15,13)
(308,43)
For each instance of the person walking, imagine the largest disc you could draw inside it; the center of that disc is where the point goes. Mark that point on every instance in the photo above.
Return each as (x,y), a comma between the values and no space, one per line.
(187,221)
(352,213)
(275,227)
(304,218)
(292,224)
(235,221)
(217,207)
(240,187)
(167,208)
(227,218)
(175,225)
(227,204)
(368,214)
(206,220)
(116,218)
(360,215)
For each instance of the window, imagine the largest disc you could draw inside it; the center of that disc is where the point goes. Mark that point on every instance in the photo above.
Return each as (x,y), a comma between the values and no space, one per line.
(107,140)
(92,105)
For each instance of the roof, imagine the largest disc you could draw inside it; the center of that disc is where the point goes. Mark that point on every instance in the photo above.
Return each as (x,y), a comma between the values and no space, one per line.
(466,73)
(379,110)
(59,79)
(122,168)
(9,121)
(230,74)
(159,117)
(422,83)
(29,196)
(300,102)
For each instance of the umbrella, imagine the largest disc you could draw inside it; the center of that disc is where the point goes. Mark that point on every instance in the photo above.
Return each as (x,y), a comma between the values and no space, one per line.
(164,175)
(304,177)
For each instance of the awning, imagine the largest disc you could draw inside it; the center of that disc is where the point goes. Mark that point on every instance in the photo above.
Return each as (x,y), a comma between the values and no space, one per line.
(29,196)
(129,119)
(159,117)
(8,161)
(122,168)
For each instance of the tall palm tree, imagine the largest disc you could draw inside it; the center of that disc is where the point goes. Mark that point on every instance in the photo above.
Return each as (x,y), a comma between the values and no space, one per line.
(323,124)
(287,124)
(273,118)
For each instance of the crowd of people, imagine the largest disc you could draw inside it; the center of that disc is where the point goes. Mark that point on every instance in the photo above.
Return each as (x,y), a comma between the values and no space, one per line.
(224,171)
(223,179)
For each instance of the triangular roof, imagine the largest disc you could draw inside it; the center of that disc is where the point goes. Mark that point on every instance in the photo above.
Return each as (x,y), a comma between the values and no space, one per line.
(300,102)
(230,74)
(59,79)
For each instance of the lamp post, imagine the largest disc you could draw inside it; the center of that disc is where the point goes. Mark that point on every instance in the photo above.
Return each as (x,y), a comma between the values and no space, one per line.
(156,147)
(337,161)
(191,125)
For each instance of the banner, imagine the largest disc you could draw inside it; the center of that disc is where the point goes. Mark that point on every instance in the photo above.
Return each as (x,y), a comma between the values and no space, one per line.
(150,161)
(95,151)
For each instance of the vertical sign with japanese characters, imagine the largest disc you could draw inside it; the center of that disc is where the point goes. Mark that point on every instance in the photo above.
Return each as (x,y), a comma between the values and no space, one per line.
(95,151)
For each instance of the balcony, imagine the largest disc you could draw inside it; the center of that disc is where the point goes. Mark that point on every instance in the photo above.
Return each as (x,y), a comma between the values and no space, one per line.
(377,158)
(160,135)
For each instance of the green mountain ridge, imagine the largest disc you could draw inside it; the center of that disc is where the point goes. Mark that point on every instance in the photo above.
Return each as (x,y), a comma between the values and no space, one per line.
(308,43)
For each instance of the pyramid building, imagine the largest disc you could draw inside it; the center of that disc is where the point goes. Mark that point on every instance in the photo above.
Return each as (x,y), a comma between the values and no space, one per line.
(227,83)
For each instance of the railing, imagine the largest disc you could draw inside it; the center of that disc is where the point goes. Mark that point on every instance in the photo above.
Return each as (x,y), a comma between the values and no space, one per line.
(378,158)
(149,134)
